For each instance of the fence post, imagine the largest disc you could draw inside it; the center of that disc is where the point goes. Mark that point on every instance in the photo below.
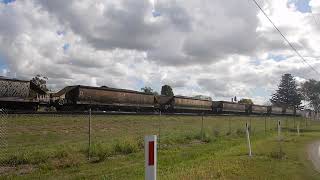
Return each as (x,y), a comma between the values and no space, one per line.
(202,126)
(248,139)
(229,125)
(279,130)
(159,130)
(306,122)
(265,124)
(89,135)
(250,124)
(287,126)
(150,146)
(298,129)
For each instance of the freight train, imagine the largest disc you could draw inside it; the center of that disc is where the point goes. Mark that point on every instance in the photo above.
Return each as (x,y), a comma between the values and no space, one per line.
(17,94)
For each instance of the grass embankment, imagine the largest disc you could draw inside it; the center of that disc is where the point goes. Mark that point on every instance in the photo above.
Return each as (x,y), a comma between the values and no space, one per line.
(56,147)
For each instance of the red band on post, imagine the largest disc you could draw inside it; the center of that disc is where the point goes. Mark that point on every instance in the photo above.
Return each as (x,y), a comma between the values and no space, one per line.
(151,153)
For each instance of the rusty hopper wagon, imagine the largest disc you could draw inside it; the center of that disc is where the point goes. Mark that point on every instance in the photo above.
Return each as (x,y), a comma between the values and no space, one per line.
(288,111)
(228,107)
(298,112)
(276,110)
(188,104)
(20,95)
(105,98)
(258,109)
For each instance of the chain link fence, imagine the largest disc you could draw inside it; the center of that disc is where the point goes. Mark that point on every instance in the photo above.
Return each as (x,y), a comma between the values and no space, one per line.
(52,141)
(3,137)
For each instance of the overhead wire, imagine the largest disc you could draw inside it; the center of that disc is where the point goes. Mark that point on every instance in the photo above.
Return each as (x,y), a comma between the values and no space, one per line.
(284,37)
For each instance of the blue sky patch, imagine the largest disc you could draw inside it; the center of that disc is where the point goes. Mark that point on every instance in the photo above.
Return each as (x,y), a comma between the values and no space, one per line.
(155,14)
(277,57)
(7,1)
(3,65)
(66,46)
(302,5)
(259,91)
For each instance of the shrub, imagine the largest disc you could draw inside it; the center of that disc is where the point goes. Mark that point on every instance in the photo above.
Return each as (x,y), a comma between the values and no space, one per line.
(206,138)
(100,152)
(278,155)
(215,132)
(20,158)
(126,147)
(16,159)
(240,132)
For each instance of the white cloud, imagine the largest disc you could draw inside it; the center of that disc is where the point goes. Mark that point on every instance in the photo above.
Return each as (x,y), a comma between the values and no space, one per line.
(216,48)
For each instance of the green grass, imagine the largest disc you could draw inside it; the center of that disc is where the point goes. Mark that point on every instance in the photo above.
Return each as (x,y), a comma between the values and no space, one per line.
(56,147)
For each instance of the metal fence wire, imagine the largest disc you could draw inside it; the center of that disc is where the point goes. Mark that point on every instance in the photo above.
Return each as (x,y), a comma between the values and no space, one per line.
(68,140)
(3,135)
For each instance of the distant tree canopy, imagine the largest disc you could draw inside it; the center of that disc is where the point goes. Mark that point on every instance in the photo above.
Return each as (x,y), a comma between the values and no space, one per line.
(40,81)
(245,101)
(310,91)
(166,90)
(203,97)
(149,90)
(287,94)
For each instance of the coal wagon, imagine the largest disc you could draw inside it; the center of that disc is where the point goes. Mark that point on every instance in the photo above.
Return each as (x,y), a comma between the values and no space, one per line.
(20,95)
(105,98)
(164,103)
(183,104)
(258,109)
(276,110)
(189,104)
(229,107)
(299,112)
(288,111)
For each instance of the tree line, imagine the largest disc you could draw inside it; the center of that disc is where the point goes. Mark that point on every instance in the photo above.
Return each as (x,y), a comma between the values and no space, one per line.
(166,90)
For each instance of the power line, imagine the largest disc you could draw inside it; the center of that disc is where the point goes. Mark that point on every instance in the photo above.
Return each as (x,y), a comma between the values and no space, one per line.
(292,47)
(314,18)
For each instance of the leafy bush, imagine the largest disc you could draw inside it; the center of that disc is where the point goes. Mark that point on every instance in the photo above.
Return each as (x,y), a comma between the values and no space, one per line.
(240,132)
(100,152)
(215,132)
(278,155)
(126,147)
(20,158)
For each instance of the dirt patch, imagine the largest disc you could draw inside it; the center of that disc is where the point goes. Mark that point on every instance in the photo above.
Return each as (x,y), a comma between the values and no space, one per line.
(25,169)
(4,170)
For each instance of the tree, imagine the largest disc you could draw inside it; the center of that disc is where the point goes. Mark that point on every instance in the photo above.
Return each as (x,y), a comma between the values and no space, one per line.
(40,81)
(287,94)
(149,90)
(166,90)
(311,93)
(245,101)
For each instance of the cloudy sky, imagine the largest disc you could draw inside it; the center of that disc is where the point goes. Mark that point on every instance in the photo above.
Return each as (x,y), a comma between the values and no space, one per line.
(209,47)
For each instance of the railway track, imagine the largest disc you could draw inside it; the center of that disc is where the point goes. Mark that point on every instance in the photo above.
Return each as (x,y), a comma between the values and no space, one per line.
(132,113)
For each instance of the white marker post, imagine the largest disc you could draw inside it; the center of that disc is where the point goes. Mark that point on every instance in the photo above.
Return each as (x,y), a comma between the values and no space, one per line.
(150,147)
(248,139)
(298,129)
(279,130)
